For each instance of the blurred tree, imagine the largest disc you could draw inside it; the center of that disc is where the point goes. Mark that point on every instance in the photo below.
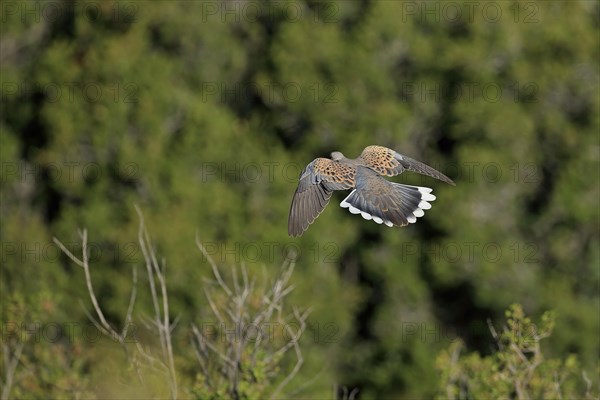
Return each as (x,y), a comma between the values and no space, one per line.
(205,112)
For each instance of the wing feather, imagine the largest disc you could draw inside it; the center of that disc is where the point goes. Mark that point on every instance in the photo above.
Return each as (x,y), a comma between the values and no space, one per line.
(315,186)
(388,162)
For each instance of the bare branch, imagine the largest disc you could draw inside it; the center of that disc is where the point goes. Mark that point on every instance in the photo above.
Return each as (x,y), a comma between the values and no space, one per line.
(204,342)
(147,260)
(295,343)
(588,383)
(353,394)
(67,252)
(84,263)
(97,324)
(131,303)
(308,383)
(162,321)
(212,265)
(213,307)
(238,357)
(200,350)
(11,362)
(494,333)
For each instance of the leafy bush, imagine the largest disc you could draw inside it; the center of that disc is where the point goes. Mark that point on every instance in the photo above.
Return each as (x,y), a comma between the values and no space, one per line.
(517,369)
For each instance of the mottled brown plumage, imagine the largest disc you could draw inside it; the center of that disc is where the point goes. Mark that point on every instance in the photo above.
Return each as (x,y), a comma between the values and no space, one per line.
(387,162)
(373,197)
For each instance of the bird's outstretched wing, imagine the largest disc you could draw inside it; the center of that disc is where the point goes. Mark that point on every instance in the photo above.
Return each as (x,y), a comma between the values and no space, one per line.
(388,162)
(316,183)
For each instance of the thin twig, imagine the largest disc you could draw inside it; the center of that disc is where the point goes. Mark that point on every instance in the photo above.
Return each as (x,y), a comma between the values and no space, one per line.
(299,359)
(162,322)
(161,319)
(11,363)
(212,265)
(84,263)
(67,252)
(242,313)
(131,303)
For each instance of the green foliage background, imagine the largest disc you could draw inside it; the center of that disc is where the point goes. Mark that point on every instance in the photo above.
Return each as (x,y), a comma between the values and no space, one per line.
(203,113)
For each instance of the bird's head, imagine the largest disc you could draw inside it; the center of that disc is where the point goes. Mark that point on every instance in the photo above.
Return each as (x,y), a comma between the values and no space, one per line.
(337,156)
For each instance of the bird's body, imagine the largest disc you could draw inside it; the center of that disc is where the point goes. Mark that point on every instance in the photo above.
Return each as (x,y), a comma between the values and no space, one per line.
(373,197)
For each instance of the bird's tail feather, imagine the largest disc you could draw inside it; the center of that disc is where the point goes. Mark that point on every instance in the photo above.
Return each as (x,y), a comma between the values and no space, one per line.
(402,205)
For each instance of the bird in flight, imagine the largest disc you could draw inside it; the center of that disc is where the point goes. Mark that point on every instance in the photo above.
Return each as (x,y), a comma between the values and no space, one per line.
(373,197)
